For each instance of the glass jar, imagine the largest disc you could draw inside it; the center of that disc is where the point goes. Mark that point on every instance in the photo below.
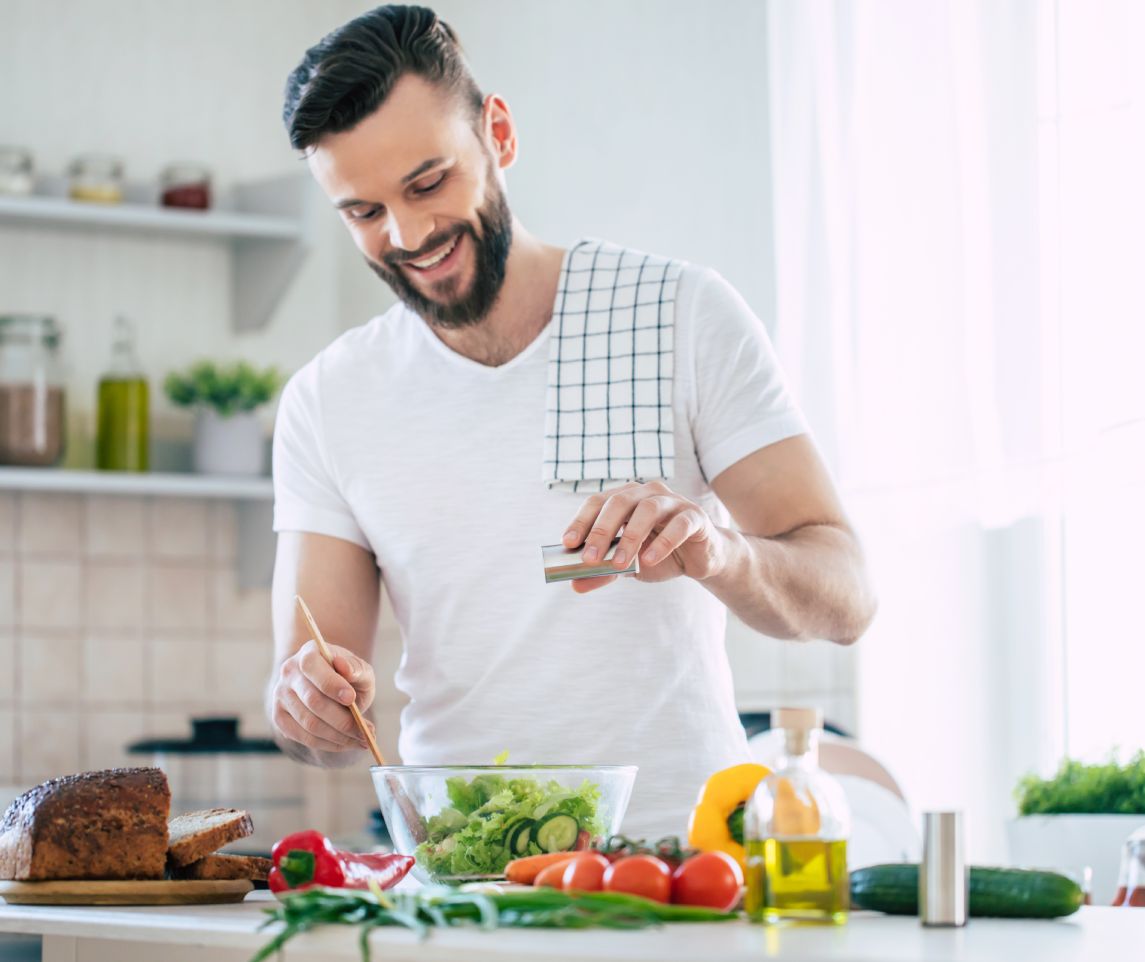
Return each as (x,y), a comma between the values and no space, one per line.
(1131,881)
(796,826)
(96,178)
(186,185)
(17,171)
(31,391)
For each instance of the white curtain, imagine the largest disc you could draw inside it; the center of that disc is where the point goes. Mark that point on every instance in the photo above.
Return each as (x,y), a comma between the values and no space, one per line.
(936,246)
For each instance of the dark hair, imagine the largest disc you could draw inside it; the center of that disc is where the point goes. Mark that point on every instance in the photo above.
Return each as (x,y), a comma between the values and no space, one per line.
(349,73)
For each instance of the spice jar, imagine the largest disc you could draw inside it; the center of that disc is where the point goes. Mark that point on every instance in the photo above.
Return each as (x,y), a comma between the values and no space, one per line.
(31,391)
(17,172)
(96,178)
(186,185)
(1131,881)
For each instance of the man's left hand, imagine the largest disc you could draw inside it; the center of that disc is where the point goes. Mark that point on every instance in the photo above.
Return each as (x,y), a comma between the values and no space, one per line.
(674,536)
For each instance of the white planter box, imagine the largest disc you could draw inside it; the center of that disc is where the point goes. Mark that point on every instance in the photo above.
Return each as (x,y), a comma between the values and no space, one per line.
(231,445)
(1071,843)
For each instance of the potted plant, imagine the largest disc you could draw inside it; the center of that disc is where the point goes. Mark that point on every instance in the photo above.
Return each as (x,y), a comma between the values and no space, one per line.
(1079,819)
(228,437)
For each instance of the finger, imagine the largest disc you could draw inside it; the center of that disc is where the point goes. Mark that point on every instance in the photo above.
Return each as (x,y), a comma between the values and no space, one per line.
(319,715)
(582,586)
(290,726)
(679,529)
(648,513)
(359,674)
(322,675)
(614,513)
(580,524)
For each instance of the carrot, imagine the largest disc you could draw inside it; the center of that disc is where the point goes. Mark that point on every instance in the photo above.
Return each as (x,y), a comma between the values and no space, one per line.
(524,871)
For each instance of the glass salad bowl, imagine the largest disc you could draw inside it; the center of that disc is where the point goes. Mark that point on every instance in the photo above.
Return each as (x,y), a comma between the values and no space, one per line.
(465,823)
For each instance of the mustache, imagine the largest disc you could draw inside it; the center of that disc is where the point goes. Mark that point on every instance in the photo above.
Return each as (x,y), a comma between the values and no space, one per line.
(438,240)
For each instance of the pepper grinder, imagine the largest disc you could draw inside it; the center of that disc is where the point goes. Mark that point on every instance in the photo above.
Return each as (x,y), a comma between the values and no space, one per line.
(942,877)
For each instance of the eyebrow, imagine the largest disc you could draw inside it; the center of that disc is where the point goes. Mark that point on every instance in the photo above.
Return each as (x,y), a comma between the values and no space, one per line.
(412,175)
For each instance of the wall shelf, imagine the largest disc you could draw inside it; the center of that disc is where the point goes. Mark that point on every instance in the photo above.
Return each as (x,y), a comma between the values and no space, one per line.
(265,223)
(152,484)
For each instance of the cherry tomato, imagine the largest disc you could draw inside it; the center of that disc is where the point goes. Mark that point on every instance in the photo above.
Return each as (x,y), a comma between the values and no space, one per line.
(644,875)
(712,879)
(584,874)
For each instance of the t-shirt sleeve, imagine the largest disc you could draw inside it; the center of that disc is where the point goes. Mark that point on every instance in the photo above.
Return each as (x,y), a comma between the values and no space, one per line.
(742,402)
(306,494)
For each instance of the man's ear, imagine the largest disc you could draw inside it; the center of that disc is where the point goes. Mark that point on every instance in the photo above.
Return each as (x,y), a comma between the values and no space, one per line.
(499,130)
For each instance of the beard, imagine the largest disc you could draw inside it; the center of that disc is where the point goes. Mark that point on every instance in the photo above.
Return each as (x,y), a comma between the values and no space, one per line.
(456,309)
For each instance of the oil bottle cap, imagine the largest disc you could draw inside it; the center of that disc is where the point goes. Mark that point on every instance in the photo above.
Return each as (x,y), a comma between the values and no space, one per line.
(805,719)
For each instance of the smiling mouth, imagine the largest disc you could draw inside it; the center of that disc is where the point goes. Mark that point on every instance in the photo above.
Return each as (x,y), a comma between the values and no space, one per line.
(436,259)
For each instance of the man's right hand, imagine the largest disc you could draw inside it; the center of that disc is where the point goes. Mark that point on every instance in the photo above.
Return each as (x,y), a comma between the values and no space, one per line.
(310,699)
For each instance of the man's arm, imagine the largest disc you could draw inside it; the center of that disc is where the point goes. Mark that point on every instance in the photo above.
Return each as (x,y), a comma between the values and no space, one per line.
(793,570)
(307,699)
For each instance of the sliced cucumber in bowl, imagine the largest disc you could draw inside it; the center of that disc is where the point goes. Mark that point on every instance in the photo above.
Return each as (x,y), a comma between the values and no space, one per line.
(557,833)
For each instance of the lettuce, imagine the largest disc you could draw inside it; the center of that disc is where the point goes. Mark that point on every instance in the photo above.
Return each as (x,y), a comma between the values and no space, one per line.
(470,836)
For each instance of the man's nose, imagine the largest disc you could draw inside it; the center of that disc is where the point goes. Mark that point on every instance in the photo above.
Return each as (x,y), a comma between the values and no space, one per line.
(409,230)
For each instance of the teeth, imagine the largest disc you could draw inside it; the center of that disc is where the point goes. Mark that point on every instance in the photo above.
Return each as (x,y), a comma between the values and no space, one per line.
(431,261)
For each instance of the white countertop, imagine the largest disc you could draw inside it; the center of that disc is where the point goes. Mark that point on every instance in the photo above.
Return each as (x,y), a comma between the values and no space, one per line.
(1093,933)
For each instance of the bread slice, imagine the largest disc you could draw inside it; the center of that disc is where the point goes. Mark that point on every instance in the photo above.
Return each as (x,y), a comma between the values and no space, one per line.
(110,824)
(218,866)
(196,835)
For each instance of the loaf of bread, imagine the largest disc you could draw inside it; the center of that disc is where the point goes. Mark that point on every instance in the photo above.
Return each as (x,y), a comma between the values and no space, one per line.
(95,825)
(196,835)
(218,866)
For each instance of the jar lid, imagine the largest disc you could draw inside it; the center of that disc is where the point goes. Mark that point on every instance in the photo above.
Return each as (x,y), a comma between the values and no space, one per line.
(30,327)
(107,165)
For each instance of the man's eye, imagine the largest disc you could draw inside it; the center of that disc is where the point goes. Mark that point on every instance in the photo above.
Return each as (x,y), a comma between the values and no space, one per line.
(368,214)
(431,187)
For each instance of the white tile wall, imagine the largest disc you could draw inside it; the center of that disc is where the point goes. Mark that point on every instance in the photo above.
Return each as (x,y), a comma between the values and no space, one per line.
(107,615)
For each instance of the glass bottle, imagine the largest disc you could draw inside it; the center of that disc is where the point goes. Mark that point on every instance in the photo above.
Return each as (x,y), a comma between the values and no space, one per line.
(796,827)
(123,419)
(31,391)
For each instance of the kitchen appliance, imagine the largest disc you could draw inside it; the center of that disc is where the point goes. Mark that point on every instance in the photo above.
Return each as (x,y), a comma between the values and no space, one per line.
(217,767)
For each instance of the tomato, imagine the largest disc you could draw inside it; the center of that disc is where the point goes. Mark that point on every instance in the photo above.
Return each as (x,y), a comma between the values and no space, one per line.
(644,875)
(712,879)
(584,874)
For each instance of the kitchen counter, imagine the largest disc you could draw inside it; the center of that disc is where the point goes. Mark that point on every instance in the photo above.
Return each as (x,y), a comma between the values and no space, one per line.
(228,933)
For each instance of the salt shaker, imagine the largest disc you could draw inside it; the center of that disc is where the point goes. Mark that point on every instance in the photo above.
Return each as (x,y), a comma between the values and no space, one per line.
(942,877)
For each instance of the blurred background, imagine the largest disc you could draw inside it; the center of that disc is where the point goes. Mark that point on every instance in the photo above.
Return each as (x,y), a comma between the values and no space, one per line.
(934,207)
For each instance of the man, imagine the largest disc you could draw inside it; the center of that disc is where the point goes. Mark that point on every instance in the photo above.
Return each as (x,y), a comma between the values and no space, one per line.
(520,395)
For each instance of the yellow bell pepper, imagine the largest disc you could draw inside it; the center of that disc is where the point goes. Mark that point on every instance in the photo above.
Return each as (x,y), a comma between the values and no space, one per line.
(721,802)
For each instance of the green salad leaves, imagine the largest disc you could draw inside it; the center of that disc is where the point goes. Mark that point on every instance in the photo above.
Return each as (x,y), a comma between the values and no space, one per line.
(492,820)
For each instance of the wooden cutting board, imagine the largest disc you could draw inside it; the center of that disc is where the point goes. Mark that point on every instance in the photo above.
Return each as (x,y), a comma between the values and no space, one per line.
(157,892)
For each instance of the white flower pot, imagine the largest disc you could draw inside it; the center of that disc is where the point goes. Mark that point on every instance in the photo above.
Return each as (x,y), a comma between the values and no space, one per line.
(228,445)
(1071,843)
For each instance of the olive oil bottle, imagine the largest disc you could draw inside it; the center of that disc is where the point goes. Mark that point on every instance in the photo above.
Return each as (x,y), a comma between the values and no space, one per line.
(123,416)
(795,831)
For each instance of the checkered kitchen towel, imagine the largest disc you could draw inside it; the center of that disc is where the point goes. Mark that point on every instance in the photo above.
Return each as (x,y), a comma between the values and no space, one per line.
(608,414)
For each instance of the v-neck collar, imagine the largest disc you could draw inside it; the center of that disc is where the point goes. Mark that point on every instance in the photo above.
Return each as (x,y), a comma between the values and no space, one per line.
(493,371)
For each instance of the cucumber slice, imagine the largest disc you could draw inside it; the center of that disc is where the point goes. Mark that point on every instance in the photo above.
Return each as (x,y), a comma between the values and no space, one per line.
(557,833)
(517,841)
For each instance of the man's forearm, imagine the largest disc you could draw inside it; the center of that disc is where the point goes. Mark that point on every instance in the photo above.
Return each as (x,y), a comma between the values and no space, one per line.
(809,583)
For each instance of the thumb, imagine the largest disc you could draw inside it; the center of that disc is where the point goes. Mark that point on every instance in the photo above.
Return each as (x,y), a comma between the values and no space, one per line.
(353,669)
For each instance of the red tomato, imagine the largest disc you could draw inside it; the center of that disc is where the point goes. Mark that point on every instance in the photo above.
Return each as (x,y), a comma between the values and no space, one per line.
(584,874)
(710,878)
(639,875)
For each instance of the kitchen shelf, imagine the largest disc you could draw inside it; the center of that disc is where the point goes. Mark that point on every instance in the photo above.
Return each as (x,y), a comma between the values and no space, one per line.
(146,218)
(267,224)
(61,480)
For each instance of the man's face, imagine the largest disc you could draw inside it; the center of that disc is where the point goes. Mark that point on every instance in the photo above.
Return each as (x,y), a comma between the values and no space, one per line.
(418,190)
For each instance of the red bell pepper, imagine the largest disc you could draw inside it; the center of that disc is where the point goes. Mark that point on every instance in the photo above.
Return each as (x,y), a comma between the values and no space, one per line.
(308,858)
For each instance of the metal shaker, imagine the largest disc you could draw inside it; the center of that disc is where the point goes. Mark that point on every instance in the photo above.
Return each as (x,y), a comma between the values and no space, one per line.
(942,878)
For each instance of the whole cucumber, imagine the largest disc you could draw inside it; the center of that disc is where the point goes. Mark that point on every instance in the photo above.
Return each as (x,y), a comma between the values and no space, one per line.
(1009,893)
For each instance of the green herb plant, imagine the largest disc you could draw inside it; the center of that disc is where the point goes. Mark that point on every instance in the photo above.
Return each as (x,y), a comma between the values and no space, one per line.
(227,388)
(446,906)
(1104,789)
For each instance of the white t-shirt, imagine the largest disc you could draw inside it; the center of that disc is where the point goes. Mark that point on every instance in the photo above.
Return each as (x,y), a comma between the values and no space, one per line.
(393,441)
